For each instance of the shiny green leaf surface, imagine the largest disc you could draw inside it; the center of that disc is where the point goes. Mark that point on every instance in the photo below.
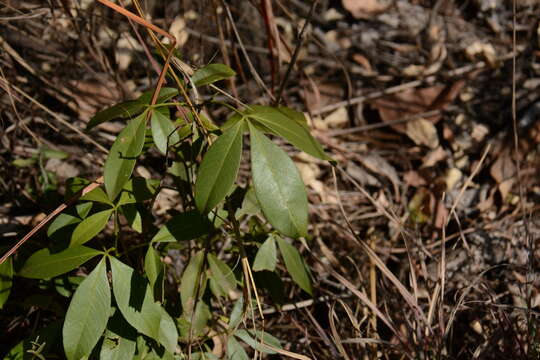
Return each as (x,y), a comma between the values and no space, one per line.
(90,227)
(295,265)
(212,73)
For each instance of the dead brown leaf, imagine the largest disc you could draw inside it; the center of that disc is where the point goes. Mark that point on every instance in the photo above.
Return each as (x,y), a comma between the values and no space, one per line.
(416,101)
(364,9)
(423,132)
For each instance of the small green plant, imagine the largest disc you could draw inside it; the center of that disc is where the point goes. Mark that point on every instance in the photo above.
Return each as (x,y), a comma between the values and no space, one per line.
(130,305)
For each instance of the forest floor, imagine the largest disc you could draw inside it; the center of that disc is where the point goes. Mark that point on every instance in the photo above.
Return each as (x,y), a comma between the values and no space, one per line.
(430,109)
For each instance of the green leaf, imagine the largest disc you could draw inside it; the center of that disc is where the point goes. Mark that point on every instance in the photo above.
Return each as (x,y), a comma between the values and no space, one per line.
(130,109)
(43,265)
(165,93)
(123,155)
(137,190)
(152,266)
(136,303)
(262,337)
(186,226)
(115,347)
(237,313)
(126,109)
(190,284)
(218,169)
(6,280)
(222,275)
(163,132)
(97,195)
(235,351)
(278,186)
(212,73)
(194,325)
(133,217)
(87,315)
(119,342)
(295,265)
(290,125)
(53,154)
(24,162)
(250,204)
(266,257)
(90,227)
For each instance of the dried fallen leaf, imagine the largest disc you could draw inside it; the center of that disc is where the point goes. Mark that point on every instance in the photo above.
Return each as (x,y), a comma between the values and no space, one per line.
(503,168)
(414,179)
(361,175)
(415,101)
(364,9)
(433,157)
(379,165)
(423,132)
(337,119)
(452,177)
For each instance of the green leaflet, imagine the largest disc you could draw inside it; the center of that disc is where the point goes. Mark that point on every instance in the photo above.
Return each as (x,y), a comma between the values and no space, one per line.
(119,342)
(163,132)
(278,186)
(218,169)
(90,227)
(152,266)
(97,195)
(295,265)
(222,275)
(258,344)
(6,280)
(289,124)
(212,73)
(64,219)
(266,257)
(182,227)
(136,303)
(236,313)
(87,314)
(235,351)
(123,155)
(190,284)
(130,109)
(138,189)
(43,265)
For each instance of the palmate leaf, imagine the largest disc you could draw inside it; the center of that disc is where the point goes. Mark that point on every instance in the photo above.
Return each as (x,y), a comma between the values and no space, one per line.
(87,314)
(43,265)
(289,124)
(295,265)
(123,155)
(278,186)
(136,303)
(218,169)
